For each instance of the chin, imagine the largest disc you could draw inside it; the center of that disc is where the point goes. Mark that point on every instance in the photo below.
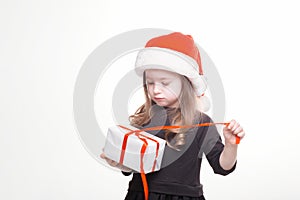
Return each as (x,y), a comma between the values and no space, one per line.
(165,104)
(161,104)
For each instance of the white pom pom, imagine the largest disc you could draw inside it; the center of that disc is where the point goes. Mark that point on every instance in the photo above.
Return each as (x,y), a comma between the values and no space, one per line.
(203,103)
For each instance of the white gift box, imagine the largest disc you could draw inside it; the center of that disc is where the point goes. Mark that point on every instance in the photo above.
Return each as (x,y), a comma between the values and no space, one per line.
(134,143)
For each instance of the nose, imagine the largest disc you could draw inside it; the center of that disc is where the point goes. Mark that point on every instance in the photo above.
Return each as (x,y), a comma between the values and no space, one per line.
(156,88)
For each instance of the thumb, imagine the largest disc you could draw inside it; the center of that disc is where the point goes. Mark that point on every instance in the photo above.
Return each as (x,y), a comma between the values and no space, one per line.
(102,155)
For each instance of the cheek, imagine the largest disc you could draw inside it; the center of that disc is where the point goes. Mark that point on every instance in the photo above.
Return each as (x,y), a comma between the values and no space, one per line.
(175,89)
(149,89)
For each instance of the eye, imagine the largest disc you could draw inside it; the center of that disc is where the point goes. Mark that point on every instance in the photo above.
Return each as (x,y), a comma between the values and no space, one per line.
(150,83)
(165,83)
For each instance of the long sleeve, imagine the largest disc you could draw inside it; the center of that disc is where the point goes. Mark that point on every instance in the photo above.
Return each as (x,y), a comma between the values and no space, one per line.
(213,158)
(212,147)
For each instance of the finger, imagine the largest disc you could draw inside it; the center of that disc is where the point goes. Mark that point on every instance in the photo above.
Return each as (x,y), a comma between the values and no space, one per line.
(109,161)
(113,163)
(102,155)
(241,134)
(227,131)
(235,126)
(118,165)
(231,124)
(238,130)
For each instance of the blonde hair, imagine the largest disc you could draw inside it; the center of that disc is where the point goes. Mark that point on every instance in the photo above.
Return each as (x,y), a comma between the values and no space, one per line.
(183,115)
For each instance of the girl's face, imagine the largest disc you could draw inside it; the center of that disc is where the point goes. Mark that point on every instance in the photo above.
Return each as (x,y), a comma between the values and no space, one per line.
(163,87)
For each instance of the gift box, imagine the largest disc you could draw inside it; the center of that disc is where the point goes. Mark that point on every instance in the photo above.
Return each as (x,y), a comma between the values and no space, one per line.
(134,148)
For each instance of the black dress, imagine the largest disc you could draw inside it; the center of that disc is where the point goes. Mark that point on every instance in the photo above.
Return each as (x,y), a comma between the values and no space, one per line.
(179,176)
(131,195)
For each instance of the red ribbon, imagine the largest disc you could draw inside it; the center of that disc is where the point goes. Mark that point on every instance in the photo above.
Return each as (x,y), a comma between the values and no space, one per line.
(142,153)
(141,137)
(145,144)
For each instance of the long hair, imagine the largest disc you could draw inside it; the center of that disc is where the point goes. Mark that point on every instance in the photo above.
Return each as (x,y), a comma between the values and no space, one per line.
(183,115)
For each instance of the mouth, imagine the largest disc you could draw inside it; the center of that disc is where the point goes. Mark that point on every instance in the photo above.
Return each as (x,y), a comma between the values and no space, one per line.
(158,98)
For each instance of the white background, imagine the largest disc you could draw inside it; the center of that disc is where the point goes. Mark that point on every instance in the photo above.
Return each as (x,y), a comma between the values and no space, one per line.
(254,45)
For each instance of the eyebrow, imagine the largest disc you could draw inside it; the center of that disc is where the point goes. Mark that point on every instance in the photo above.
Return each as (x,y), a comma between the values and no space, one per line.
(161,79)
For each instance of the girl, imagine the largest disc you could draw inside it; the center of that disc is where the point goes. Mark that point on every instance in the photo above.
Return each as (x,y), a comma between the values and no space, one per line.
(173,79)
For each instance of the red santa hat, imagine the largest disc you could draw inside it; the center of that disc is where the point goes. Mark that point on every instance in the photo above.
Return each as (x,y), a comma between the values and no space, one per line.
(178,53)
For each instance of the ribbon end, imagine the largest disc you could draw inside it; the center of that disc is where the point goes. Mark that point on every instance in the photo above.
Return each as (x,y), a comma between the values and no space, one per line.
(237,140)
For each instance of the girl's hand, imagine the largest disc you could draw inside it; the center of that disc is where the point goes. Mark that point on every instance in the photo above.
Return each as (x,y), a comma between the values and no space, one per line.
(232,131)
(115,164)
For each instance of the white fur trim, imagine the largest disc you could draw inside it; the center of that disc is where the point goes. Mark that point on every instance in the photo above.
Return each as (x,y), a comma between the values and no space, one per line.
(203,104)
(167,59)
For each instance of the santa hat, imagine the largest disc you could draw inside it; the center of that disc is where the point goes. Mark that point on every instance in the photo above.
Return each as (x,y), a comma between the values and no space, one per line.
(177,53)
